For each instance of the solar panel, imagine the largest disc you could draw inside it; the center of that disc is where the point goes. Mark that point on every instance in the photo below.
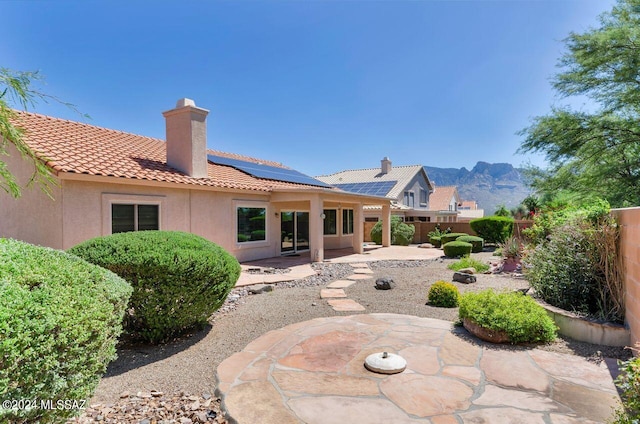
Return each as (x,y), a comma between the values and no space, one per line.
(267,172)
(376,188)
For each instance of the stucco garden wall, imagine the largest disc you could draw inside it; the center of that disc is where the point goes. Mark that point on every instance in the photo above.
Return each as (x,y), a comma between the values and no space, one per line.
(629,220)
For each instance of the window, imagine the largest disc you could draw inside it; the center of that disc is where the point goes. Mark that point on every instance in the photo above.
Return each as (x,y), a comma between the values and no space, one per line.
(252,224)
(423,198)
(134,218)
(409,199)
(371,219)
(330,222)
(347,221)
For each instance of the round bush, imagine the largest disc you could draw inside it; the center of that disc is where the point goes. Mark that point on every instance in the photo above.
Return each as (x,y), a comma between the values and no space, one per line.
(178,279)
(446,238)
(476,242)
(435,241)
(454,249)
(401,233)
(60,318)
(444,295)
(493,229)
(514,313)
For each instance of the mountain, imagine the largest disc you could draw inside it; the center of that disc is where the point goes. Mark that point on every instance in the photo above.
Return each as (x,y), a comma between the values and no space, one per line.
(489,184)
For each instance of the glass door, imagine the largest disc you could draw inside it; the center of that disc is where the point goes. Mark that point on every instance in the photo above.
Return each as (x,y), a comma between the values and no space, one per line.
(294,231)
(287,232)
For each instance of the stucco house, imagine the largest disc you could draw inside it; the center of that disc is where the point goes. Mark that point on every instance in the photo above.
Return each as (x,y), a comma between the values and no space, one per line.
(408,187)
(444,203)
(110,181)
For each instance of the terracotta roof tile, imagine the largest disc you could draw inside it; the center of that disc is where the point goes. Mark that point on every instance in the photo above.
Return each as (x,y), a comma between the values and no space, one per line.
(69,146)
(441,196)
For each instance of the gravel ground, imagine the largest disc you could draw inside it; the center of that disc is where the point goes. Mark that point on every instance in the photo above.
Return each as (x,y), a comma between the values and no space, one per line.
(188,365)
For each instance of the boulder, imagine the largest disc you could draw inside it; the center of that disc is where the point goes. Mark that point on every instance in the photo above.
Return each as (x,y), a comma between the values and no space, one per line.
(385,283)
(468,270)
(425,245)
(260,288)
(463,278)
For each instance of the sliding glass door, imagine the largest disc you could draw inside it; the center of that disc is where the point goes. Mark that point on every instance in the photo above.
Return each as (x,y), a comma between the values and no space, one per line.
(294,231)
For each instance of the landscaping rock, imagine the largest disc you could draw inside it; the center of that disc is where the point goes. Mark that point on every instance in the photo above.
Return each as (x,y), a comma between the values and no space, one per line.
(260,288)
(426,245)
(463,278)
(385,283)
(468,270)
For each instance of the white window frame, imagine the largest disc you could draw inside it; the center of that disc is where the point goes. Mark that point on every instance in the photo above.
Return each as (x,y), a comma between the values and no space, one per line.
(408,196)
(254,205)
(109,199)
(353,223)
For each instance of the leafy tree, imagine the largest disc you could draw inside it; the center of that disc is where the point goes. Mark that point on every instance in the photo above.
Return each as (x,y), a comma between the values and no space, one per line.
(594,153)
(502,211)
(16,91)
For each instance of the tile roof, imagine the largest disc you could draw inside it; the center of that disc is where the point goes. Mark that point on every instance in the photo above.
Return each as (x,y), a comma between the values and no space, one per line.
(80,148)
(441,197)
(402,174)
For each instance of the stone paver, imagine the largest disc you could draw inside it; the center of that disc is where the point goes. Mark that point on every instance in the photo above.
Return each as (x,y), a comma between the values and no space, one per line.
(359,265)
(345,305)
(332,293)
(313,373)
(340,284)
(362,271)
(360,277)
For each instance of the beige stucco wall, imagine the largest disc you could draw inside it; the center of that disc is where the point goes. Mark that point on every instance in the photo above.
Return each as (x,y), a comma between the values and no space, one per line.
(42,224)
(629,220)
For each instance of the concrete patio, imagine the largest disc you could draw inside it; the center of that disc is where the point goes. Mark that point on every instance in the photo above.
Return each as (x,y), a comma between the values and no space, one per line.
(312,372)
(299,266)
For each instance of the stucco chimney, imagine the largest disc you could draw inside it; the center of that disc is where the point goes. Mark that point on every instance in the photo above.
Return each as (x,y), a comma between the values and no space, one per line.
(187,138)
(385,165)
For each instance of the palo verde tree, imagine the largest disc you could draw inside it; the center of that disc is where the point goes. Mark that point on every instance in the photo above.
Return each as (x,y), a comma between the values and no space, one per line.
(595,153)
(17,91)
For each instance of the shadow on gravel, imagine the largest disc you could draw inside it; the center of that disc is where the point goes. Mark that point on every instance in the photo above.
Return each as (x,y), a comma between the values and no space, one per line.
(132,356)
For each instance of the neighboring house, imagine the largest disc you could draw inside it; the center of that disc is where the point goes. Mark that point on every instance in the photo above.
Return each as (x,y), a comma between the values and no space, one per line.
(408,187)
(469,210)
(110,181)
(444,202)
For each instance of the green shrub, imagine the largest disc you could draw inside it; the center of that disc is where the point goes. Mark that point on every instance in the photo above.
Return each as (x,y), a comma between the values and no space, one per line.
(435,241)
(514,313)
(178,279)
(401,233)
(455,249)
(443,295)
(628,382)
(493,229)
(60,318)
(451,237)
(469,263)
(476,242)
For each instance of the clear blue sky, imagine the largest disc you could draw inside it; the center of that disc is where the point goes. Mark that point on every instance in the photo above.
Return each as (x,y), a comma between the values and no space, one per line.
(321,86)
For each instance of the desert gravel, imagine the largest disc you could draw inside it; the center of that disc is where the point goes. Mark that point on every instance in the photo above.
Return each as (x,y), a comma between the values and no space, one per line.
(188,365)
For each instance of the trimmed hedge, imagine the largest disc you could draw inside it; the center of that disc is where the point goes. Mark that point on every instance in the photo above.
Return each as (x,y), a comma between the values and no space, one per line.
(514,313)
(446,238)
(178,279)
(435,241)
(493,229)
(476,242)
(60,318)
(401,233)
(454,249)
(444,295)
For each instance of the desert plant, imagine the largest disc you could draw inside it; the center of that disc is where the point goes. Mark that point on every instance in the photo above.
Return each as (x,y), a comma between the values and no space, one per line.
(476,242)
(455,249)
(443,294)
(60,318)
(446,238)
(628,383)
(401,233)
(178,279)
(437,231)
(493,229)
(519,316)
(468,262)
(435,241)
(512,248)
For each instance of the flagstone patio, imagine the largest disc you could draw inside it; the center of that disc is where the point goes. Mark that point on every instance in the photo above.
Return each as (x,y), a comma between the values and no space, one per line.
(312,372)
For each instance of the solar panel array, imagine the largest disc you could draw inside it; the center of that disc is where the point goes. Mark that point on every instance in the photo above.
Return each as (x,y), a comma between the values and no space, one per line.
(376,188)
(267,172)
